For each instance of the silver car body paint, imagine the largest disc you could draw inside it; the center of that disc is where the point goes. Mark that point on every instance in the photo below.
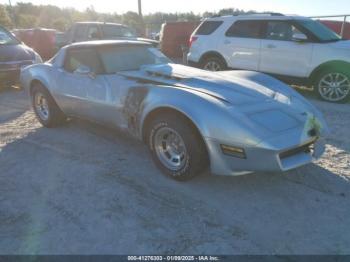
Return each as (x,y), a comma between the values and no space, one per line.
(243,109)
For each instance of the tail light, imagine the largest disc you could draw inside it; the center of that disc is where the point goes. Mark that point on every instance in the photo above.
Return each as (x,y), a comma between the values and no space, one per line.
(192,40)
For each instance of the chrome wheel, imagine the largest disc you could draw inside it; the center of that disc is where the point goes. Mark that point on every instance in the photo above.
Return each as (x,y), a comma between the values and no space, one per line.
(212,66)
(334,87)
(41,106)
(170,148)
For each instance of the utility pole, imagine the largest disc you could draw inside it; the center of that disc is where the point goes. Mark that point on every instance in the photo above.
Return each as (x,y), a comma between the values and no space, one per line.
(12,14)
(140,8)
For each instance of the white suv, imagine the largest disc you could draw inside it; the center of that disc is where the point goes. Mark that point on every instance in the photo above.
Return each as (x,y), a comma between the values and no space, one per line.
(295,49)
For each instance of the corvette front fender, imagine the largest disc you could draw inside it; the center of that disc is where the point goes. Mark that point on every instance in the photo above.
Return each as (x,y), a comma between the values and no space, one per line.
(210,115)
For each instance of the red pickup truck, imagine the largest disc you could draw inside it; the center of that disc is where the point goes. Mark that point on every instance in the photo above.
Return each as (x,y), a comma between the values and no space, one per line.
(336,26)
(42,40)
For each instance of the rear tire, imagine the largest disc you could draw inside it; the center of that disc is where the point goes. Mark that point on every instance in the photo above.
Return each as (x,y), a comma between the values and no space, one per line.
(176,147)
(213,63)
(46,110)
(333,85)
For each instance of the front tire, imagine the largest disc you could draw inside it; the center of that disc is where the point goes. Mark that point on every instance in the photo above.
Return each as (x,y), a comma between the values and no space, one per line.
(176,147)
(46,110)
(333,85)
(213,63)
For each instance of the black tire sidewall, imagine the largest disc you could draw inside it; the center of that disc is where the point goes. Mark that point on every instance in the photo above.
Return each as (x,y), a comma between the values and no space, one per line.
(55,114)
(216,59)
(193,159)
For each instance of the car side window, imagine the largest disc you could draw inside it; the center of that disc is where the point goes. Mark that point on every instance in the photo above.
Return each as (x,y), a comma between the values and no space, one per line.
(93,33)
(245,29)
(80,33)
(113,31)
(208,27)
(82,57)
(282,31)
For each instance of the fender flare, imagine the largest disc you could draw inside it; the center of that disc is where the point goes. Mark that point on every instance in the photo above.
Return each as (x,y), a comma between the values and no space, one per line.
(326,65)
(212,53)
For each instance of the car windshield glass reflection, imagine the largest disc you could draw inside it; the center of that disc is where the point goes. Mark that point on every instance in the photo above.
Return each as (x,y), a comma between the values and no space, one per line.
(128,58)
(7,39)
(323,33)
(111,31)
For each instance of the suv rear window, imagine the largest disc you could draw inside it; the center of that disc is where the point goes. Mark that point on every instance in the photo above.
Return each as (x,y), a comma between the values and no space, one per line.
(208,27)
(117,31)
(245,29)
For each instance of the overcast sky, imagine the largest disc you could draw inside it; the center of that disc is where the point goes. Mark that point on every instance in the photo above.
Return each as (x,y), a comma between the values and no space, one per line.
(300,7)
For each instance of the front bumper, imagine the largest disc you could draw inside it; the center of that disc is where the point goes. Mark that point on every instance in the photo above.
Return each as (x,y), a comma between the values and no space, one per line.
(9,77)
(10,71)
(264,159)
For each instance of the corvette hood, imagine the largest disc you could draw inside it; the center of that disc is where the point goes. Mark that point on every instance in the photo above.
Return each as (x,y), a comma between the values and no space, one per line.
(267,103)
(233,89)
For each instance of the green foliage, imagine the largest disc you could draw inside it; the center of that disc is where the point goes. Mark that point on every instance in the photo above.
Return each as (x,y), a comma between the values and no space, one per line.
(27,15)
(5,19)
(60,24)
(25,21)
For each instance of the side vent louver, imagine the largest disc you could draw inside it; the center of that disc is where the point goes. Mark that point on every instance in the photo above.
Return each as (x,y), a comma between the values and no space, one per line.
(165,76)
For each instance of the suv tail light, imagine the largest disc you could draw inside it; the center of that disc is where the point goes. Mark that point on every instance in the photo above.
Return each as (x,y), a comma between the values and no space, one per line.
(192,40)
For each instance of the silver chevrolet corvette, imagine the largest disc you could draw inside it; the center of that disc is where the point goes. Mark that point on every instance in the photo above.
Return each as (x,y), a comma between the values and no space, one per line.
(236,122)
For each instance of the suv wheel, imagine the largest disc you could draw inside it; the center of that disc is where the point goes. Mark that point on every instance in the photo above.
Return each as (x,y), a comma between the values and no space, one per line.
(176,147)
(213,63)
(333,85)
(45,107)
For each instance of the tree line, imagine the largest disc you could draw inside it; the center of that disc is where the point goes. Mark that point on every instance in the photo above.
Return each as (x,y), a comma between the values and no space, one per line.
(27,15)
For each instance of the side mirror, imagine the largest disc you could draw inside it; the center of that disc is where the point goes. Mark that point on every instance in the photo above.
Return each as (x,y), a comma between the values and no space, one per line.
(84,70)
(298,37)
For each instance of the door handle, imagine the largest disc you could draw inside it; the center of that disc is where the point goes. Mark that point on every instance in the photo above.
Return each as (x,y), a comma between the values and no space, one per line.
(227,42)
(271,46)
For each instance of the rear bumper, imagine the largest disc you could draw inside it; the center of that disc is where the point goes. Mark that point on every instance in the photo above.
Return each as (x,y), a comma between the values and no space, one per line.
(261,159)
(193,58)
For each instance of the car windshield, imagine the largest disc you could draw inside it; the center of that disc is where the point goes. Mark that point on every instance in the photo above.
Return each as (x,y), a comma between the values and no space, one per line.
(323,33)
(111,31)
(129,58)
(7,38)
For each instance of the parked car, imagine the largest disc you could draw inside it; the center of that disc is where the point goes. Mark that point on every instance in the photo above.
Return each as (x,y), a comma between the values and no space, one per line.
(295,49)
(13,56)
(239,122)
(174,36)
(42,40)
(88,31)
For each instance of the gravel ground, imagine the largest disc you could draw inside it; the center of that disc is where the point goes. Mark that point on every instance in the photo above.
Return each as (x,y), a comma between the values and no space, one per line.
(85,189)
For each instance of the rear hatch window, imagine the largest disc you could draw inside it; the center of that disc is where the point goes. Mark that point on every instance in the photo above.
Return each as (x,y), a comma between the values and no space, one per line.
(208,27)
